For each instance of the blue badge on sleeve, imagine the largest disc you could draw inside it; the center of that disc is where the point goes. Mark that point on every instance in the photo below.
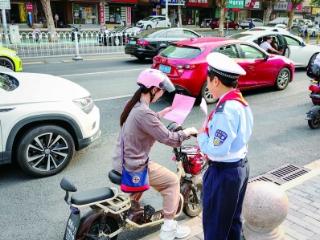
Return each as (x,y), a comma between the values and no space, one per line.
(219,137)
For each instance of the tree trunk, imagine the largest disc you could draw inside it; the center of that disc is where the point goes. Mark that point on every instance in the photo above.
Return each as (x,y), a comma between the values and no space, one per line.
(290,15)
(179,16)
(50,23)
(221,22)
(267,12)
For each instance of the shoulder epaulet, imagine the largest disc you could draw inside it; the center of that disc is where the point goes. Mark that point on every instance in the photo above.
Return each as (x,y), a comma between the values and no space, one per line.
(220,108)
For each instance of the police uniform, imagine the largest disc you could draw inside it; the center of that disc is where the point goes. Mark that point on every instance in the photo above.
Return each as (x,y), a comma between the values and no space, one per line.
(225,141)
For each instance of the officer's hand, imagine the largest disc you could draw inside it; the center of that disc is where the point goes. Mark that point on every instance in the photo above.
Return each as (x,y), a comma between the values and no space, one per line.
(192,131)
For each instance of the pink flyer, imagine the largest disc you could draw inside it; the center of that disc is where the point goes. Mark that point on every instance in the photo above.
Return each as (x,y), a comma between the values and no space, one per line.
(181,107)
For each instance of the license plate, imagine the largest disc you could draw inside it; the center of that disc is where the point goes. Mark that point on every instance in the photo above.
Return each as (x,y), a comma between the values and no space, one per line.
(164,68)
(132,42)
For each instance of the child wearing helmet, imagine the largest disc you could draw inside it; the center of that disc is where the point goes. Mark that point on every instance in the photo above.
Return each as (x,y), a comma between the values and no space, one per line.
(141,127)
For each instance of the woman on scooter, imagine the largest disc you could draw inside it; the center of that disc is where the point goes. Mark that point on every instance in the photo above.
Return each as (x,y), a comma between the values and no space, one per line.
(141,127)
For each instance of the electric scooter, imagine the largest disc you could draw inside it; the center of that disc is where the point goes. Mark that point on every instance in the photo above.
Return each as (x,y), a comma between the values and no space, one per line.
(313,116)
(111,211)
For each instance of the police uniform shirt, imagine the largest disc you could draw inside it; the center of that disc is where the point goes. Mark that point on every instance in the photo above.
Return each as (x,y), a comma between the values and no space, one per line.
(229,132)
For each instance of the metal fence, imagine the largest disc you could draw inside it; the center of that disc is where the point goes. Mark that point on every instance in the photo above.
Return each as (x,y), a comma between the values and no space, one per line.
(45,44)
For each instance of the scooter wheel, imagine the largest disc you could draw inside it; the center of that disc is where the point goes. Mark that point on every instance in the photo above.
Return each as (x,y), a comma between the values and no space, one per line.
(192,206)
(314,123)
(101,225)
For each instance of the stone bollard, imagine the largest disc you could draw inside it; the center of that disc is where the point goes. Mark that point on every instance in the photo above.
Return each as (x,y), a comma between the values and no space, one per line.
(265,208)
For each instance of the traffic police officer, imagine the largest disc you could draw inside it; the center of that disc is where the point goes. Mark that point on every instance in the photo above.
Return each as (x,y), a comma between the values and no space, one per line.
(224,140)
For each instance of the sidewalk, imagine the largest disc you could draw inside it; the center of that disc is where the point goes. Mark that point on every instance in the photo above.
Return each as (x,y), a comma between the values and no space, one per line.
(303,219)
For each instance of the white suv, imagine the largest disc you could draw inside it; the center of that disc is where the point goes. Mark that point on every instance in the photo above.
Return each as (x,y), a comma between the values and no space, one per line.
(154,22)
(43,120)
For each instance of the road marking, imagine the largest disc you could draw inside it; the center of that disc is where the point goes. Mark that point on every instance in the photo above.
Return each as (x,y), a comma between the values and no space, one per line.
(112,98)
(29,63)
(95,59)
(95,73)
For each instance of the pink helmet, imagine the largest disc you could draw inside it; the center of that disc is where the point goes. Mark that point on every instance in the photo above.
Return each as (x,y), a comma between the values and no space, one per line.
(155,78)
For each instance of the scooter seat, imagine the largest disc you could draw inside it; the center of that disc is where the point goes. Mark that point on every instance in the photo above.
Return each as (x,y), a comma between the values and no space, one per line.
(90,196)
(115,177)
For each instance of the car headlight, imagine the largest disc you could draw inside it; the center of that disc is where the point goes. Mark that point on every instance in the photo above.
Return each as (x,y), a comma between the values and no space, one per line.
(86,104)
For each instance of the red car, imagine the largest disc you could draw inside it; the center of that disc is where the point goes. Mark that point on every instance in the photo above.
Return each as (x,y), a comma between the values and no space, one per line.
(231,24)
(185,64)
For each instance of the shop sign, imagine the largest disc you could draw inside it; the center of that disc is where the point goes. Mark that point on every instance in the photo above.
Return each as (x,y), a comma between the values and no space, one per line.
(197,3)
(101,13)
(129,20)
(124,1)
(281,6)
(315,10)
(173,2)
(252,4)
(298,8)
(235,4)
(29,7)
(5,4)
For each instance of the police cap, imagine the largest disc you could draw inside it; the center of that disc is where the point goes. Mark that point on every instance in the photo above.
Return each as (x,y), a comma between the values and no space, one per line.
(224,66)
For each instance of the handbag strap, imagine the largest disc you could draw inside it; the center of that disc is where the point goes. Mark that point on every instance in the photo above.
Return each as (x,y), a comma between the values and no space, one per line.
(122,146)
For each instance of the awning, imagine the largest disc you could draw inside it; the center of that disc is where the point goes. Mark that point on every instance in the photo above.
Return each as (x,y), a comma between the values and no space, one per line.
(123,1)
(198,3)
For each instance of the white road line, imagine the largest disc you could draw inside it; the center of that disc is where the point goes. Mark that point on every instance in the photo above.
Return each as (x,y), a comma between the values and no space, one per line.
(95,73)
(112,98)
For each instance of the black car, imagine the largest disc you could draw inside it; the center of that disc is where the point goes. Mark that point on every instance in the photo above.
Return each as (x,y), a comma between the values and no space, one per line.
(149,43)
(117,36)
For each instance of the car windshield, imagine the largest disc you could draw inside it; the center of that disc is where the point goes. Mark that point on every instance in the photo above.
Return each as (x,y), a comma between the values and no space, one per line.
(7,82)
(240,35)
(180,52)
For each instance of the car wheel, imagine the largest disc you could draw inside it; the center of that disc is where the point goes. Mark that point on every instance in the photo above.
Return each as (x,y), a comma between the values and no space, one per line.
(141,58)
(207,95)
(6,62)
(313,34)
(236,27)
(283,79)
(45,150)
(148,27)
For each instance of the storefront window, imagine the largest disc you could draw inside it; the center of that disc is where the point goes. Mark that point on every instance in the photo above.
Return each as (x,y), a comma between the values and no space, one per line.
(85,14)
(114,14)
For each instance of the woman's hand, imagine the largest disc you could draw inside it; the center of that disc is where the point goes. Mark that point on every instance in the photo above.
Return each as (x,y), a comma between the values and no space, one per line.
(164,111)
(192,131)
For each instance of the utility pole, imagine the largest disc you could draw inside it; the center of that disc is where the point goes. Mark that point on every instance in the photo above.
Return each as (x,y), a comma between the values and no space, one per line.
(167,17)
(4,5)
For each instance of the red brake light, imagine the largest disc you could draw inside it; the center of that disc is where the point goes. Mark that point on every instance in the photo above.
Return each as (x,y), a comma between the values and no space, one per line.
(142,42)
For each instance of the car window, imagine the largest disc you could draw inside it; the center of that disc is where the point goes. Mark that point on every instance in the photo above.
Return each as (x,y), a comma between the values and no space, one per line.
(153,33)
(176,33)
(186,52)
(240,35)
(188,33)
(8,82)
(229,50)
(250,52)
(291,41)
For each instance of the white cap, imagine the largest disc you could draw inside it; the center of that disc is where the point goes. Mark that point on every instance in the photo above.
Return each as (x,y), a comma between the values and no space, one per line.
(224,65)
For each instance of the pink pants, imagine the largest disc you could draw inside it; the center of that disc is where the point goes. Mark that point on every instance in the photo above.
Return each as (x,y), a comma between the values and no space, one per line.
(167,183)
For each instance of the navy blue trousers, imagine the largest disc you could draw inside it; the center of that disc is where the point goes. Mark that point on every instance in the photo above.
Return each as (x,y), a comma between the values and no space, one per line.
(224,187)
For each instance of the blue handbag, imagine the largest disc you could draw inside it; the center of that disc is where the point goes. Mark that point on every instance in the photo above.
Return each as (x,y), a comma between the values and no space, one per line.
(132,182)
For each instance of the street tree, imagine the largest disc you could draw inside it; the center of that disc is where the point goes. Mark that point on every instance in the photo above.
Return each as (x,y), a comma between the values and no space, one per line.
(50,23)
(221,4)
(294,4)
(268,6)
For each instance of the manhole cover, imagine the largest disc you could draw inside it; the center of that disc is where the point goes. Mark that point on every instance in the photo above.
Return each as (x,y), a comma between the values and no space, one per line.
(281,175)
